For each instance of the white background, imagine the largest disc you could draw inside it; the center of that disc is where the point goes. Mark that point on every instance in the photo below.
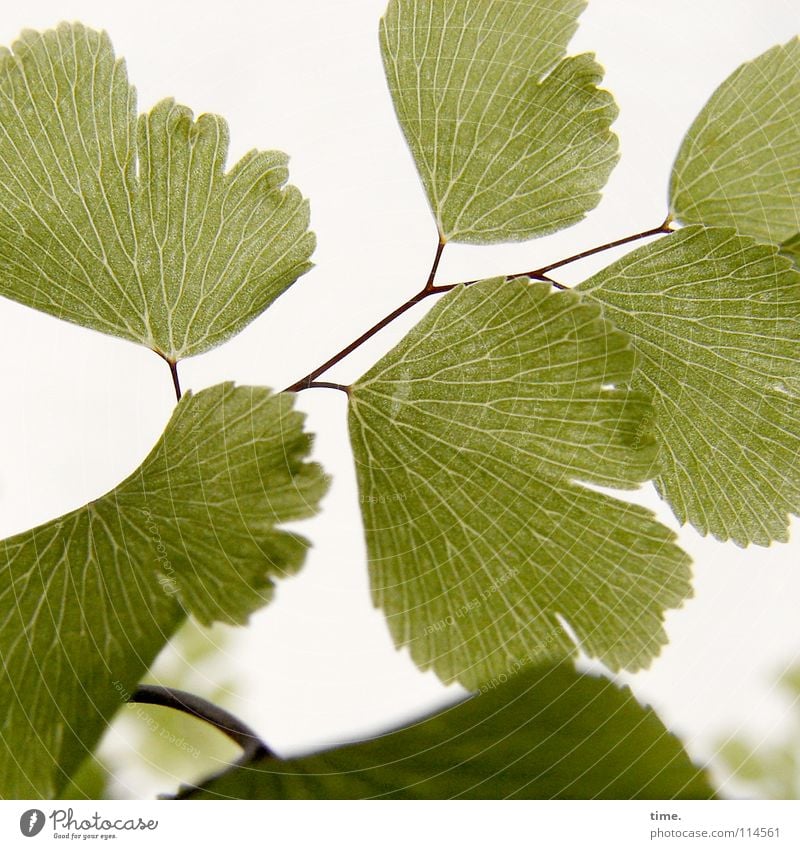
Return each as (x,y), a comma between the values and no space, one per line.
(81,410)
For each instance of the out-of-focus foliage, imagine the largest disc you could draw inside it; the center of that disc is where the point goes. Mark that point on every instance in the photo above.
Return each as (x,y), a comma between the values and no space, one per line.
(769,771)
(158,748)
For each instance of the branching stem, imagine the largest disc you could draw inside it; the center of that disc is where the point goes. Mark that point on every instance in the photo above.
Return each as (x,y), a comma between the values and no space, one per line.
(310,380)
(435,267)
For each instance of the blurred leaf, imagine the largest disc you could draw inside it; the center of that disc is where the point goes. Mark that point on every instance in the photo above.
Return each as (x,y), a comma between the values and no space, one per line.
(791,248)
(765,770)
(790,681)
(173,746)
(548,734)
(89,781)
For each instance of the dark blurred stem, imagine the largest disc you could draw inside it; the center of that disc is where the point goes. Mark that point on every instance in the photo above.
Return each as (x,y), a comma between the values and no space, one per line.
(324,384)
(251,744)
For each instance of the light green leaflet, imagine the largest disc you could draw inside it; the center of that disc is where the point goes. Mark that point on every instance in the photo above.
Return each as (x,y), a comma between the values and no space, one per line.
(134,229)
(547,734)
(89,599)
(472,439)
(739,164)
(511,138)
(715,319)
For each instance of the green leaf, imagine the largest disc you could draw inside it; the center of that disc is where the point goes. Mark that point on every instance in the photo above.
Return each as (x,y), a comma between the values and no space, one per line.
(89,781)
(134,232)
(472,440)
(715,319)
(739,164)
(548,734)
(511,138)
(92,597)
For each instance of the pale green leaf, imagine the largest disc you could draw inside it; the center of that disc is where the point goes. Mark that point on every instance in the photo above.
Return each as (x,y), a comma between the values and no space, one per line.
(511,138)
(136,232)
(472,441)
(716,319)
(89,599)
(739,164)
(547,734)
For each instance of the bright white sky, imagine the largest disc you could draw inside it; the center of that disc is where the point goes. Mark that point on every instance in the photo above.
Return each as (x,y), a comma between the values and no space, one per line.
(82,409)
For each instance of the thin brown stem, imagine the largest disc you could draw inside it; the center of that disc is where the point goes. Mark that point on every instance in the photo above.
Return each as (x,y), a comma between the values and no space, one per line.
(310,380)
(176,382)
(664,227)
(173,370)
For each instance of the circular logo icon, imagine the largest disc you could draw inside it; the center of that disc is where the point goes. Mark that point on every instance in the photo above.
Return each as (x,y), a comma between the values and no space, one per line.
(31,822)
